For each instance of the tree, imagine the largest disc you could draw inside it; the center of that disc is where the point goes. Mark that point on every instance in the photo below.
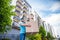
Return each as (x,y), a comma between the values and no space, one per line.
(42,32)
(49,36)
(5,14)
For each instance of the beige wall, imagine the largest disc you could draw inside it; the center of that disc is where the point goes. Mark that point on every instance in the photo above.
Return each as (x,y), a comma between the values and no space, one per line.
(34,25)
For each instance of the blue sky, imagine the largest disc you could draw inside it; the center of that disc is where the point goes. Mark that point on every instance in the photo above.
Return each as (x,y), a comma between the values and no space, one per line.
(44,6)
(49,11)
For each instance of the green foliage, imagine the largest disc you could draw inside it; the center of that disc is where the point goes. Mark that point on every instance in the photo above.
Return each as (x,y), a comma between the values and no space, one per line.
(31,37)
(5,14)
(49,36)
(35,37)
(42,31)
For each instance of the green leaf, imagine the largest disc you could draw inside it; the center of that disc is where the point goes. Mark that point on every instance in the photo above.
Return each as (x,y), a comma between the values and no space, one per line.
(5,14)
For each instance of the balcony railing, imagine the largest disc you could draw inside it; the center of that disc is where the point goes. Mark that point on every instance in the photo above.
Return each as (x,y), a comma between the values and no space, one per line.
(19,2)
(17,11)
(24,8)
(16,17)
(19,7)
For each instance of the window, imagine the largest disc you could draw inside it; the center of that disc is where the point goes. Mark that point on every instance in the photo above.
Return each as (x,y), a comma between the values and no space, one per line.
(32,15)
(31,18)
(24,11)
(28,20)
(24,8)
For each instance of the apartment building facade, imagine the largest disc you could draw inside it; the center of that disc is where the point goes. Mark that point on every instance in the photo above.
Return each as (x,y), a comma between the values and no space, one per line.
(23,9)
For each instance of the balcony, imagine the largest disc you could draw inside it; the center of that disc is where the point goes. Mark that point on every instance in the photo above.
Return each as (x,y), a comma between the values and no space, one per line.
(17,11)
(16,18)
(25,12)
(24,8)
(25,5)
(18,7)
(20,3)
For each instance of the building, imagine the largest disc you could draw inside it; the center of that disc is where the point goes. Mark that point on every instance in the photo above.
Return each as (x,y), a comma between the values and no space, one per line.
(23,9)
(37,18)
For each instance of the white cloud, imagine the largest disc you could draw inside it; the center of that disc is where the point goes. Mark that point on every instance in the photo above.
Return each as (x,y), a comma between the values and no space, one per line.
(52,18)
(55,6)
